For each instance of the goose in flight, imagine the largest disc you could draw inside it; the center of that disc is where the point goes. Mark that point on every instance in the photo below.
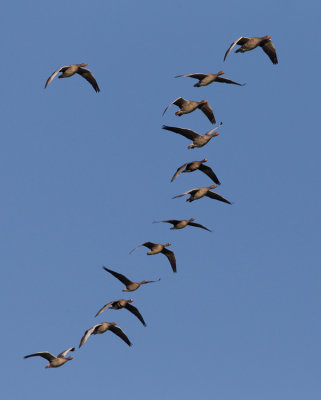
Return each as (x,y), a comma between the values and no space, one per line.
(197,165)
(182,223)
(102,328)
(188,106)
(250,43)
(196,194)
(130,286)
(54,362)
(73,69)
(198,140)
(156,248)
(119,304)
(206,79)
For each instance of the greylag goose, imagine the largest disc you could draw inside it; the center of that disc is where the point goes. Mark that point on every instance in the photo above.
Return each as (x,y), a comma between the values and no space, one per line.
(198,140)
(130,286)
(73,69)
(193,166)
(206,79)
(196,194)
(54,362)
(156,248)
(102,328)
(182,223)
(118,304)
(250,43)
(187,106)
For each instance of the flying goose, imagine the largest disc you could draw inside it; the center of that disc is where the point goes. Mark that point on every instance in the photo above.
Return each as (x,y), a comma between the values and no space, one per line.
(73,69)
(198,193)
(182,223)
(118,304)
(198,140)
(54,362)
(187,106)
(130,286)
(206,79)
(250,43)
(156,248)
(102,328)
(193,166)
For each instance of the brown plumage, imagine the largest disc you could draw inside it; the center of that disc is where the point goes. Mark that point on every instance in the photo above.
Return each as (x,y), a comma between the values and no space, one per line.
(156,248)
(73,69)
(54,362)
(196,194)
(198,140)
(250,43)
(197,165)
(130,286)
(119,304)
(182,223)
(207,79)
(102,328)
(188,106)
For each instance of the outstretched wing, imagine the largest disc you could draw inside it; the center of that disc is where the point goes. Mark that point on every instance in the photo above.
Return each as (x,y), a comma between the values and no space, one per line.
(188,133)
(224,80)
(171,258)
(87,334)
(120,277)
(64,353)
(170,221)
(218,197)
(178,172)
(135,311)
(183,194)
(104,308)
(178,102)
(51,77)
(146,244)
(120,333)
(269,49)
(205,107)
(209,172)
(44,354)
(86,73)
(198,226)
(196,76)
(241,40)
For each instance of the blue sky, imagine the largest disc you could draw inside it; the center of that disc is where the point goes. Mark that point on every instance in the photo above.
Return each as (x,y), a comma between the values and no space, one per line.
(84,175)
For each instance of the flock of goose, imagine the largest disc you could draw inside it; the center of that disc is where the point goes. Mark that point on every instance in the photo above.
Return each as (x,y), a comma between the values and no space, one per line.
(185,107)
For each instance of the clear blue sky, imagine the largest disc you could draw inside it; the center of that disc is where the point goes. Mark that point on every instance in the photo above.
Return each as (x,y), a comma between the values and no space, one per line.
(84,175)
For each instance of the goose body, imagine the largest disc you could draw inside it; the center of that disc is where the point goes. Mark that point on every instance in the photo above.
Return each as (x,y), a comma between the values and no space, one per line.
(207,79)
(102,328)
(156,248)
(188,106)
(54,362)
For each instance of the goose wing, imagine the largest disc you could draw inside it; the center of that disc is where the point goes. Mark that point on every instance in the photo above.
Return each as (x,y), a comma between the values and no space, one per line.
(120,277)
(179,171)
(104,308)
(171,258)
(64,353)
(87,334)
(209,172)
(188,133)
(44,354)
(135,311)
(198,226)
(241,40)
(51,77)
(183,194)
(205,107)
(196,76)
(269,49)
(146,244)
(86,73)
(120,333)
(218,197)
(178,102)
(225,80)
